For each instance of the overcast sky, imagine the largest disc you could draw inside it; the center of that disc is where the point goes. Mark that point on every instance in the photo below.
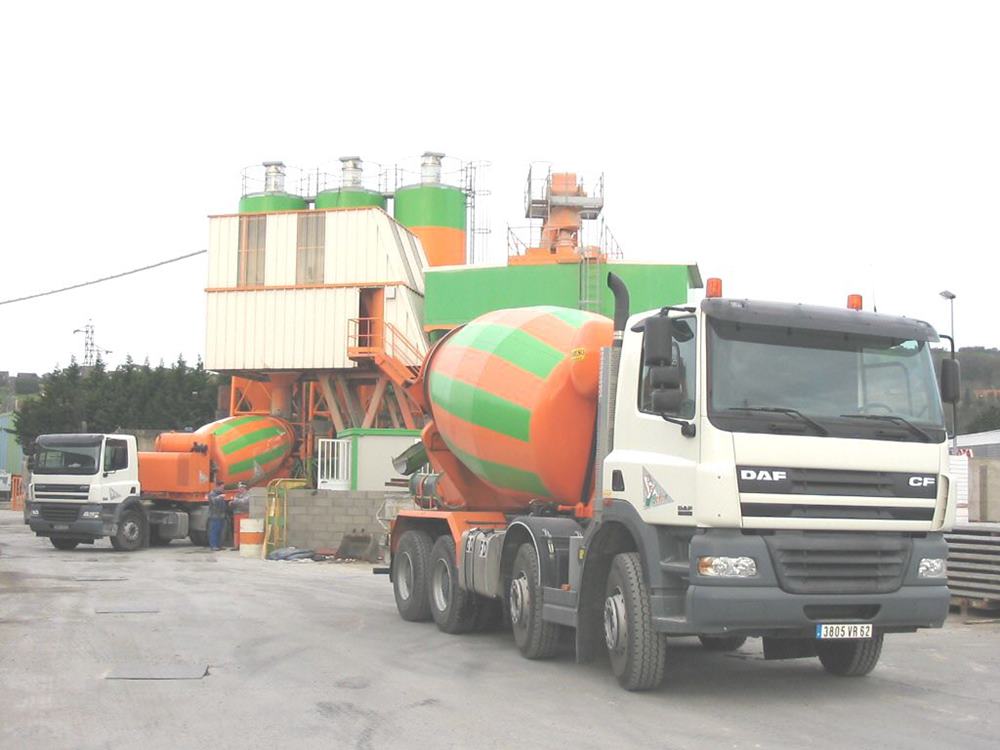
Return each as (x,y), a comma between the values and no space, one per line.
(800,150)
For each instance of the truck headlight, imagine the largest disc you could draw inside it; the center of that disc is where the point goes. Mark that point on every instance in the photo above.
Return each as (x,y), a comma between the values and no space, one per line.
(35,512)
(932,567)
(727,567)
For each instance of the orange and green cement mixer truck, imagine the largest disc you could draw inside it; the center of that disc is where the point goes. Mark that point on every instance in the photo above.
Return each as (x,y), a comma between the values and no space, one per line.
(737,469)
(85,487)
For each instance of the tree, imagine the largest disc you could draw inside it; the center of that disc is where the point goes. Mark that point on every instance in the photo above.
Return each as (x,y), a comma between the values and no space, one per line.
(988,419)
(131,397)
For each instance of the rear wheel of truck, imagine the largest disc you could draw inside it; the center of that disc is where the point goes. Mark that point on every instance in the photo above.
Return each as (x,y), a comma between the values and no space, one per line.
(722,642)
(63,544)
(157,539)
(636,650)
(131,534)
(850,658)
(198,538)
(536,638)
(453,608)
(410,564)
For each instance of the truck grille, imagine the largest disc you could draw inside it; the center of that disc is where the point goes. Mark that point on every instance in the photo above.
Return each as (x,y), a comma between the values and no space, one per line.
(58,512)
(839,563)
(62,491)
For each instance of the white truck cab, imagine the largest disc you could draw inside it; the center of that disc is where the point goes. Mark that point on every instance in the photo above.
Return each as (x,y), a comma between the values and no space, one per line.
(84,487)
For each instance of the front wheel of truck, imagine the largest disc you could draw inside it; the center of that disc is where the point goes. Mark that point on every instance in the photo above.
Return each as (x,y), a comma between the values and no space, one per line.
(131,534)
(637,651)
(850,658)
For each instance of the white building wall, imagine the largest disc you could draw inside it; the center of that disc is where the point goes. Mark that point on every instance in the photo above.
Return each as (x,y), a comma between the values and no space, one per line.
(307,328)
(223,251)
(375,454)
(279,253)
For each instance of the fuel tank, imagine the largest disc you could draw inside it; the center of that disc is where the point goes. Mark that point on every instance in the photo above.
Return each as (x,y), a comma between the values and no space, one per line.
(249,448)
(513,395)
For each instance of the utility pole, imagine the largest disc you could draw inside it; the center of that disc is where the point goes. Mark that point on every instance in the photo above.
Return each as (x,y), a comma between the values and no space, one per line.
(91,351)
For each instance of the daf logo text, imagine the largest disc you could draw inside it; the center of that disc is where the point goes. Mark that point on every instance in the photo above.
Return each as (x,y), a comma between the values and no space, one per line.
(763,475)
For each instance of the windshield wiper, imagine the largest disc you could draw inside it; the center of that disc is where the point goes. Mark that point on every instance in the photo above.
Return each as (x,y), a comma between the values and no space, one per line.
(928,438)
(820,429)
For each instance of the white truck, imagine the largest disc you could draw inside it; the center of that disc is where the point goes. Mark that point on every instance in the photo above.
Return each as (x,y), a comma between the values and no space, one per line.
(760,470)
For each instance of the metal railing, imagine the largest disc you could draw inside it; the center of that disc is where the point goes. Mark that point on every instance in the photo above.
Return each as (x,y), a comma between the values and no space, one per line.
(379,336)
(333,464)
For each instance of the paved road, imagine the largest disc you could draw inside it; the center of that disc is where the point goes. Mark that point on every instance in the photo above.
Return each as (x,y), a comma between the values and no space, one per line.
(314,655)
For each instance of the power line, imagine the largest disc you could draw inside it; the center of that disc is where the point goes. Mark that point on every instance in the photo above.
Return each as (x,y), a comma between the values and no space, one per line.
(102,279)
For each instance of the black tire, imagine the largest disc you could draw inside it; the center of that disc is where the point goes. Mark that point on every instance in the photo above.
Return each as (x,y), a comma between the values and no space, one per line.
(198,538)
(453,609)
(131,534)
(850,658)
(536,638)
(156,538)
(636,650)
(722,643)
(410,572)
(63,544)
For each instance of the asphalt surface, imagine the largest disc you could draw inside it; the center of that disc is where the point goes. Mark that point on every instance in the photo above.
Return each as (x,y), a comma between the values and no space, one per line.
(310,655)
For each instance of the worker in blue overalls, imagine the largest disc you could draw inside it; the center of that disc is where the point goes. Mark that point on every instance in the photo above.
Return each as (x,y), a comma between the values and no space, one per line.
(217,510)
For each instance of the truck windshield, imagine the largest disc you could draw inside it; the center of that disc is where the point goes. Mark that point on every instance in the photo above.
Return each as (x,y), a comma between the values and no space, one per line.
(765,378)
(69,459)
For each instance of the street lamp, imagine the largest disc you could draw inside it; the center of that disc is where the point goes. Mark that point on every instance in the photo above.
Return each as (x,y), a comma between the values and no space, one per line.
(950,296)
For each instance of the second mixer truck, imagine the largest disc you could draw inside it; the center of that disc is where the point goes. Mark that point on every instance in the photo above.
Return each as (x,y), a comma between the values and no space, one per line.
(86,487)
(729,470)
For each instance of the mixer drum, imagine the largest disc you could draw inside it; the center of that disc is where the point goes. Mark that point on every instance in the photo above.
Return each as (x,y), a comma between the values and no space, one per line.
(250,448)
(514,396)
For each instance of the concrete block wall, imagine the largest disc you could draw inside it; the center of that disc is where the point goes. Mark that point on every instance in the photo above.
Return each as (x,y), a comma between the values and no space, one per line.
(320,518)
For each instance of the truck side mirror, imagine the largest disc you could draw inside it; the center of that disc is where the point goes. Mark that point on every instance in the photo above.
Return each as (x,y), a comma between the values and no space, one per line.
(666,401)
(658,342)
(30,461)
(951,385)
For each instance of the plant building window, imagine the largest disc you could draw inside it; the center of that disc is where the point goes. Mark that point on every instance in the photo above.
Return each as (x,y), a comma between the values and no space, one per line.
(309,249)
(250,264)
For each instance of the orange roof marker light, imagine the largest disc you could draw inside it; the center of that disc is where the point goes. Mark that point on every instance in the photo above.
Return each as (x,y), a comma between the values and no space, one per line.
(854,301)
(713,288)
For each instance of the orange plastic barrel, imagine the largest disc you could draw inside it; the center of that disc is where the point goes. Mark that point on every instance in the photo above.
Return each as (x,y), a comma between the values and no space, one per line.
(514,396)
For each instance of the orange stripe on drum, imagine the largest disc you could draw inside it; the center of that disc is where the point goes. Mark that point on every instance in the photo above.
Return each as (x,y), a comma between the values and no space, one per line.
(496,376)
(485,444)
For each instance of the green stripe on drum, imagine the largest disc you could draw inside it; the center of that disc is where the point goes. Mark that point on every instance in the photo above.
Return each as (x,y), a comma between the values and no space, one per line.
(480,407)
(510,344)
(250,438)
(233,424)
(502,475)
(264,458)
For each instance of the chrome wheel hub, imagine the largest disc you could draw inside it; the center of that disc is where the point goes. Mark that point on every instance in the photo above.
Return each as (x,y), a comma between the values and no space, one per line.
(518,599)
(615,624)
(404,579)
(441,584)
(130,531)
